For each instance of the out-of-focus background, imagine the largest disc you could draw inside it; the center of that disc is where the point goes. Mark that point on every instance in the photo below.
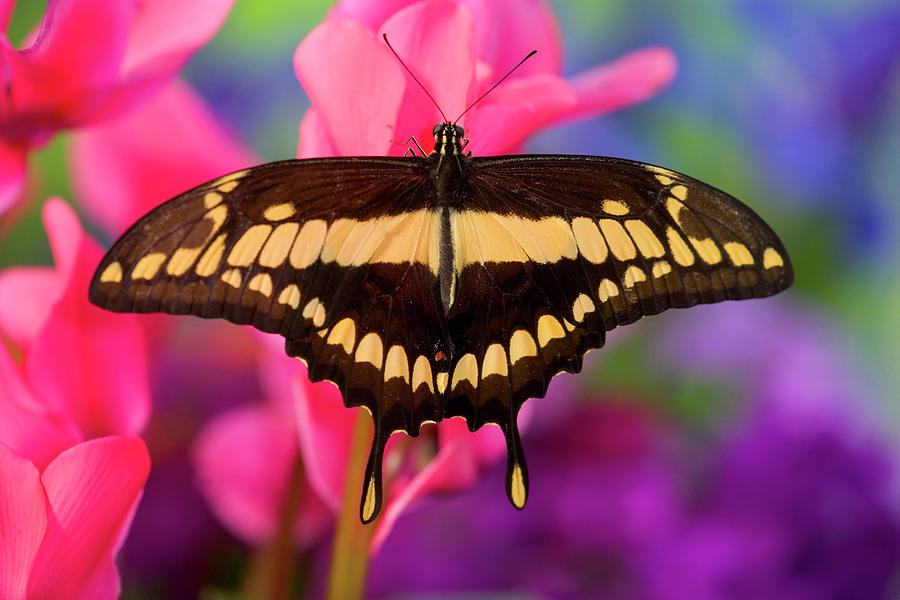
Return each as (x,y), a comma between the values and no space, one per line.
(742,450)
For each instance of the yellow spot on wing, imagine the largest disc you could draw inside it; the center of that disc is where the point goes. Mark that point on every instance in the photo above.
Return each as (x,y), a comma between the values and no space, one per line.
(441,380)
(370,350)
(228,182)
(772,259)
(290,296)
(521,345)
(738,254)
(674,206)
(261,283)
(632,275)
(147,267)
(544,240)
(249,245)
(182,260)
(396,364)
(308,244)
(422,374)
(679,191)
(680,250)
(310,309)
(591,244)
(414,238)
(664,179)
(517,491)
(112,273)
(707,249)
(369,505)
(549,329)
(606,290)
(582,306)
(279,212)
(278,245)
(227,187)
(494,362)
(345,238)
(648,244)
(217,215)
(465,370)
(343,334)
(212,199)
(661,268)
(615,207)
(232,277)
(617,239)
(209,262)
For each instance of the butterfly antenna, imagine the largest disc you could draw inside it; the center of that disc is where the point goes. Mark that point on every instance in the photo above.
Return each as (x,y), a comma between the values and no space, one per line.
(416,79)
(530,54)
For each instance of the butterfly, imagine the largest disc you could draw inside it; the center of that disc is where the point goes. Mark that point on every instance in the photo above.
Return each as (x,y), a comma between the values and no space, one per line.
(428,287)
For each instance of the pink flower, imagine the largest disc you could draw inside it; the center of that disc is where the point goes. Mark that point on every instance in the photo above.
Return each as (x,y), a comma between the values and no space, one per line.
(62,525)
(90,60)
(363,103)
(125,167)
(82,373)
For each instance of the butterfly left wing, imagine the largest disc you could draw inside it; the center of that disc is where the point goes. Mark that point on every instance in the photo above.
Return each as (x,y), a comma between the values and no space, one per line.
(337,255)
(553,251)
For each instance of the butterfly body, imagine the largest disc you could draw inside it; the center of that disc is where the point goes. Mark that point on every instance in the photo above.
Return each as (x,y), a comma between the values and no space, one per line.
(427,287)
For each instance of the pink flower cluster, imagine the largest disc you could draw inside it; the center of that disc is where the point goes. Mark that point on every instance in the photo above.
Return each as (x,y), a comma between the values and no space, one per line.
(71,466)
(75,384)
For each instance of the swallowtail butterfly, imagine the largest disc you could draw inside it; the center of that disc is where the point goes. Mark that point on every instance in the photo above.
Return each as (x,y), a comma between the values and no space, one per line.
(428,287)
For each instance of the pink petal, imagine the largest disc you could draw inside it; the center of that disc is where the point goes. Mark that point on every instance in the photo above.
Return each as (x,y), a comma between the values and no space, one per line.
(23,521)
(92,490)
(333,63)
(26,296)
(127,166)
(325,430)
(164,36)
(372,14)
(12,174)
(6,10)
(87,364)
(630,79)
(507,30)
(315,141)
(444,64)
(166,32)
(64,75)
(456,466)
(65,235)
(515,110)
(26,427)
(245,461)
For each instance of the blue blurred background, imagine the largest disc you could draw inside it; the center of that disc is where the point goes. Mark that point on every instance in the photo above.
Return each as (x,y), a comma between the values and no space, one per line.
(735,451)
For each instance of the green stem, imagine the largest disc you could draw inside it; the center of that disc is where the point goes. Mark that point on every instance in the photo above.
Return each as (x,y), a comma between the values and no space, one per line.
(270,575)
(350,553)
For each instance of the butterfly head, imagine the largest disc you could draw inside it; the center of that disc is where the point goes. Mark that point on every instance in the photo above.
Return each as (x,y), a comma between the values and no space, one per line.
(448,139)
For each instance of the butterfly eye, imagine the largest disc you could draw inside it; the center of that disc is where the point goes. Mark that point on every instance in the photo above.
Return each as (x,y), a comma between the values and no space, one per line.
(437,129)
(459,131)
